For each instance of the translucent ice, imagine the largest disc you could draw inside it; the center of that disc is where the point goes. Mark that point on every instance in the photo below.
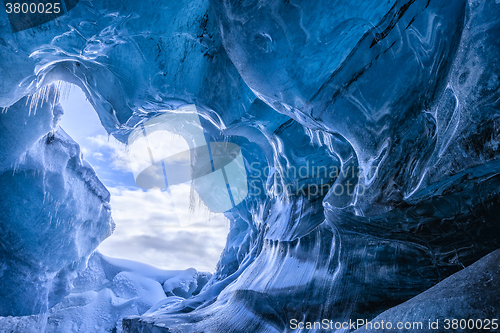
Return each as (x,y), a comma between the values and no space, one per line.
(368,130)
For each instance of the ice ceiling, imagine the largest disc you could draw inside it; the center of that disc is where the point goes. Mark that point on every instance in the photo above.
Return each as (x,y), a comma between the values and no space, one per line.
(398,100)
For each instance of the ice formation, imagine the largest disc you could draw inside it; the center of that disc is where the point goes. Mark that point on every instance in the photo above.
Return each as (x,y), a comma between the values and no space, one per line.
(369,132)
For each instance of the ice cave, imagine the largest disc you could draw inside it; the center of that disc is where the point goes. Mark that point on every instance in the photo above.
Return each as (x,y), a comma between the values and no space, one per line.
(353,146)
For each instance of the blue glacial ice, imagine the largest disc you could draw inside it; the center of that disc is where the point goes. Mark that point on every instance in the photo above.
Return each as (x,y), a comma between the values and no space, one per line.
(370,137)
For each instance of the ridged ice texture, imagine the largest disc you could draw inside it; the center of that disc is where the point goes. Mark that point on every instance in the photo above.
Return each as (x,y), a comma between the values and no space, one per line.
(55,211)
(409,89)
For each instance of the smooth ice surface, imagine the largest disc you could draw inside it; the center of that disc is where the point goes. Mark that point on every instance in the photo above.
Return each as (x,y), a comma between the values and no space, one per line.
(466,295)
(369,132)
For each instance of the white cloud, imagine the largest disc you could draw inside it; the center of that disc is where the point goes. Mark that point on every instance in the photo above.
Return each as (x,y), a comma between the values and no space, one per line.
(84,150)
(148,226)
(148,230)
(114,150)
(98,156)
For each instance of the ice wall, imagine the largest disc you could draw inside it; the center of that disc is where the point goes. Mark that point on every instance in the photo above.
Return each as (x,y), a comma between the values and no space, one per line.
(55,211)
(396,100)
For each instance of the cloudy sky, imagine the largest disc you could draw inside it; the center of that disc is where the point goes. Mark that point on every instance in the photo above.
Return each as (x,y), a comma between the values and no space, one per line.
(148,227)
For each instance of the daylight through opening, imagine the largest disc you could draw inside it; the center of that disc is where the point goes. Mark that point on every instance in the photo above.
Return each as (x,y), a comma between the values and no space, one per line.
(149,226)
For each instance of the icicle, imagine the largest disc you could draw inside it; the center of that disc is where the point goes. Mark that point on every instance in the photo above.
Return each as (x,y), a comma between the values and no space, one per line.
(192,199)
(44,319)
(38,96)
(42,95)
(64,90)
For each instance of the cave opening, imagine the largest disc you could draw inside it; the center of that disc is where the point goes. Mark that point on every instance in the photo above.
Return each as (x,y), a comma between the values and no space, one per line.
(149,228)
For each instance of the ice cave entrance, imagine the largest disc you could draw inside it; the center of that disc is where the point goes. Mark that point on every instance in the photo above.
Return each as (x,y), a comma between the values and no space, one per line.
(148,226)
